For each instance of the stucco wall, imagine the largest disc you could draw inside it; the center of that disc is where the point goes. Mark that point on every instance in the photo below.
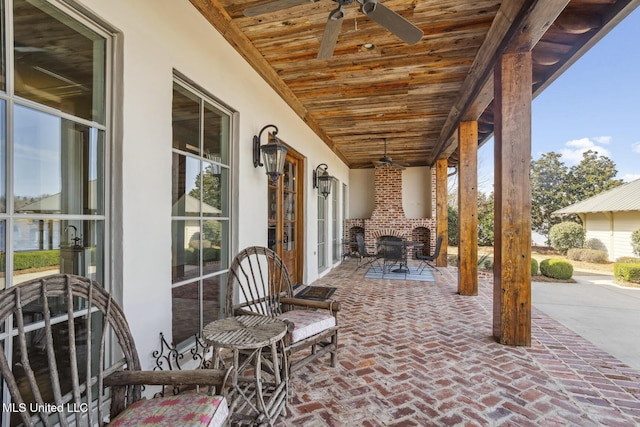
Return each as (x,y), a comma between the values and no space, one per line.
(157,37)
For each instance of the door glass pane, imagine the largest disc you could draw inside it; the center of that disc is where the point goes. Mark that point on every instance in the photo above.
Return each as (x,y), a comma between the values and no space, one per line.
(57,165)
(185,185)
(211,298)
(216,135)
(215,180)
(186,121)
(185,262)
(58,62)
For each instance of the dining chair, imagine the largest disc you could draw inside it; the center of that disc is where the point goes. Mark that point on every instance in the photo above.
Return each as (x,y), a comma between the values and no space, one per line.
(428,260)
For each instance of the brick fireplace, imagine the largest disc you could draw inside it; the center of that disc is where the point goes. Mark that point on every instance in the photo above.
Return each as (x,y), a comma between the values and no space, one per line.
(388,217)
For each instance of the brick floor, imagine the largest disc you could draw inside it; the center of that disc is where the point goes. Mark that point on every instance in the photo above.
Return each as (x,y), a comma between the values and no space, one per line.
(419,354)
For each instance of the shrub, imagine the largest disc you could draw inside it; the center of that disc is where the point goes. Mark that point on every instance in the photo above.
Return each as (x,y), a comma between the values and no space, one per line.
(624,259)
(35,259)
(587,255)
(635,241)
(534,266)
(565,236)
(629,272)
(556,268)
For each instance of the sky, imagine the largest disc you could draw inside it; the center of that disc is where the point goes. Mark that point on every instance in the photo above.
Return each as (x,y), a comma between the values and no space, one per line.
(595,104)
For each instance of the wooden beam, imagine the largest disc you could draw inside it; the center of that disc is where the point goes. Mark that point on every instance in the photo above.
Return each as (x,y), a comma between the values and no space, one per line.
(442,212)
(468,209)
(217,16)
(512,189)
(518,25)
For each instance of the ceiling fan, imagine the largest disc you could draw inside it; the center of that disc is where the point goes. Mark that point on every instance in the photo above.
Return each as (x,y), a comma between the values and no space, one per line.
(387,161)
(384,16)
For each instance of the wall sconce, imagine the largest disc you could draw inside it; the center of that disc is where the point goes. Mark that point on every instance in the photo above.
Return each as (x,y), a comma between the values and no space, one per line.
(322,180)
(273,152)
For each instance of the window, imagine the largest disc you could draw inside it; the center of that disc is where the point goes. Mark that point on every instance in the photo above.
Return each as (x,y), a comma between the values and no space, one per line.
(54,145)
(200,208)
(335,221)
(322,232)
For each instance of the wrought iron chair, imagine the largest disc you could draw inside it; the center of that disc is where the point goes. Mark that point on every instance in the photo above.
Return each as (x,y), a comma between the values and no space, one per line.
(428,260)
(60,375)
(393,251)
(366,258)
(259,279)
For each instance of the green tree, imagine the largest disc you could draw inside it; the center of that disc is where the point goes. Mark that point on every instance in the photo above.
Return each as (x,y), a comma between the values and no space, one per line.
(452,226)
(548,183)
(485,219)
(593,175)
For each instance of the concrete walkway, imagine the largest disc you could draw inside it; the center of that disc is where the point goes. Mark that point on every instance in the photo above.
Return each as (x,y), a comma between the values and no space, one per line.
(606,314)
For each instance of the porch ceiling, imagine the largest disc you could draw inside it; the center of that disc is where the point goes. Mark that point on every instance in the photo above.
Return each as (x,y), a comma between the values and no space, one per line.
(416,95)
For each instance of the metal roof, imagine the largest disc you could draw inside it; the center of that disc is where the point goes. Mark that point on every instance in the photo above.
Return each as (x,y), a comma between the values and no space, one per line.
(625,197)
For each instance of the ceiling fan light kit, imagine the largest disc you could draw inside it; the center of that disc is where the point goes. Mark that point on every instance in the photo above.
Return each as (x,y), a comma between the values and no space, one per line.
(373,9)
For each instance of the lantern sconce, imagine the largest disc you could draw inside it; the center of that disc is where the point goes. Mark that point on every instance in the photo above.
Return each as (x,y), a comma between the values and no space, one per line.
(322,180)
(273,154)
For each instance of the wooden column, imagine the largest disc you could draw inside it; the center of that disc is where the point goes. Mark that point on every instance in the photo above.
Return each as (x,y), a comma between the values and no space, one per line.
(512,189)
(468,208)
(442,213)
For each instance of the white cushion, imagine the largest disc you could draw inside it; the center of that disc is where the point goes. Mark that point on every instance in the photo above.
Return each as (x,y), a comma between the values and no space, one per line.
(308,323)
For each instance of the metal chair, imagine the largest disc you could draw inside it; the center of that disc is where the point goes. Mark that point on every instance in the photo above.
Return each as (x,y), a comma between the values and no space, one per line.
(364,255)
(427,260)
(394,253)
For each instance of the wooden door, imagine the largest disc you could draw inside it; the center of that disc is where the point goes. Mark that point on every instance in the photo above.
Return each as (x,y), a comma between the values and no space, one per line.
(285,216)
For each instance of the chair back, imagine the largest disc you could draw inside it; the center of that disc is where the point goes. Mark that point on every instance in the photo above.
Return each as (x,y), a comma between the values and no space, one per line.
(61,325)
(436,253)
(392,248)
(259,278)
(362,250)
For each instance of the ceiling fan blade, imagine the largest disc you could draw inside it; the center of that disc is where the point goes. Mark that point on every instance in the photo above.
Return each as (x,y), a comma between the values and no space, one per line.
(393,22)
(331,33)
(275,6)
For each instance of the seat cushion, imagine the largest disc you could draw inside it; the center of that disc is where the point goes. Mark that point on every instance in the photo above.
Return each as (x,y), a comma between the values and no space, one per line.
(308,323)
(187,409)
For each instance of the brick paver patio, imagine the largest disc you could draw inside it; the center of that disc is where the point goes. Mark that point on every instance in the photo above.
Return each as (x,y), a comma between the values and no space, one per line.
(419,354)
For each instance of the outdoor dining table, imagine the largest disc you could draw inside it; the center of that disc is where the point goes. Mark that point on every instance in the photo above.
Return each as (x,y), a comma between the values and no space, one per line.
(403,246)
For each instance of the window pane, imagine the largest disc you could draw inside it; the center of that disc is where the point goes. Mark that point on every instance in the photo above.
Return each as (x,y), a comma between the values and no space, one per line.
(185,186)
(215,246)
(3,254)
(185,250)
(58,62)
(58,165)
(216,135)
(215,184)
(3,157)
(185,306)
(38,358)
(212,298)
(2,52)
(43,247)
(186,121)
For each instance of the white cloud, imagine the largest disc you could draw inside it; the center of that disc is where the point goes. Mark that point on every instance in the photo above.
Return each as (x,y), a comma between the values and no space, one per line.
(574,148)
(628,177)
(636,147)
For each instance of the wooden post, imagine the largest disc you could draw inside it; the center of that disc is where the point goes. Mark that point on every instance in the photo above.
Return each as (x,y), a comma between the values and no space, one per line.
(512,189)
(468,208)
(442,213)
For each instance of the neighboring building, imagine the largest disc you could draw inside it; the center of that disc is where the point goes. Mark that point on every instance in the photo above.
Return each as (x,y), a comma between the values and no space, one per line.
(610,218)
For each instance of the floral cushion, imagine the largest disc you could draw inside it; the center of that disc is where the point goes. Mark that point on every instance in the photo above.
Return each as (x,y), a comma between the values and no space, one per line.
(308,323)
(187,409)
